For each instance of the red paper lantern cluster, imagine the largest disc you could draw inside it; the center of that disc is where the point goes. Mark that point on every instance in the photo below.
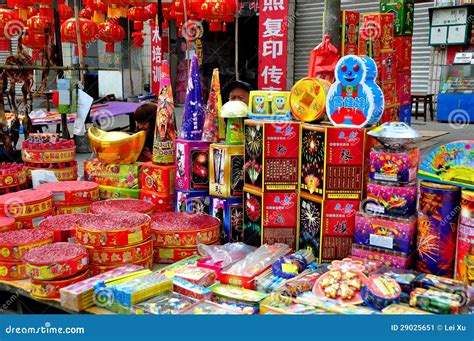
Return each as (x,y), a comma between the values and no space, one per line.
(111,32)
(87,31)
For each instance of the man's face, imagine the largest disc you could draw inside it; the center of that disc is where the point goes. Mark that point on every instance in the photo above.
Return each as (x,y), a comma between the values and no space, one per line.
(239,94)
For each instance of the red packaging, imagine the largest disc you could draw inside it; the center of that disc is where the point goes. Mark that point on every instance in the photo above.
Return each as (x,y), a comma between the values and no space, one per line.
(199,276)
(124,255)
(72,192)
(62,174)
(114,229)
(161,203)
(122,205)
(350,33)
(12,271)
(50,289)
(172,255)
(56,261)
(376,34)
(403,50)
(71,209)
(8,224)
(63,226)
(98,269)
(33,221)
(272,155)
(15,244)
(11,175)
(465,254)
(388,70)
(48,156)
(158,178)
(391,114)
(390,93)
(26,203)
(404,88)
(192,165)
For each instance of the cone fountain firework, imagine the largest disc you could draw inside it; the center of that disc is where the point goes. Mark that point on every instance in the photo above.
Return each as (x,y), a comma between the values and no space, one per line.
(165,128)
(193,117)
(214,104)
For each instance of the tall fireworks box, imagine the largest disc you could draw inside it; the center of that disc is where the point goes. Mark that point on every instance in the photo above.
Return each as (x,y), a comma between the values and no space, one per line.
(404,88)
(376,35)
(226,170)
(390,93)
(403,50)
(389,66)
(192,165)
(110,174)
(163,203)
(327,226)
(391,114)
(332,161)
(350,33)
(272,155)
(193,201)
(405,114)
(158,178)
(403,11)
(230,212)
(270,217)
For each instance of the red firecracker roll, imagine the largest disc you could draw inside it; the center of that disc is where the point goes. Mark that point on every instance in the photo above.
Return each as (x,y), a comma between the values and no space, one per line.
(123,255)
(180,229)
(98,269)
(50,289)
(122,205)
(12,175)
(63,226)
(33,221)
(56,261)
(15,244)
(71,209)
(12,271)
(72,192)
(26,203)
(8,224)
(114,229)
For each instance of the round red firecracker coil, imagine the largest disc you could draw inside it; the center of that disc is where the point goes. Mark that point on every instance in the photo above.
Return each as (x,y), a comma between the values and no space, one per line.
(122,205)
(8,224)
(71,209)
(48,156)
(15,244)
(33,221)
(72,192)
(56,261)
(25,203)
(124,255)
(98,269)
(181,229)
(63,226)
(62,174)
(172,255)
(114,229)
(50,289)
(12,271)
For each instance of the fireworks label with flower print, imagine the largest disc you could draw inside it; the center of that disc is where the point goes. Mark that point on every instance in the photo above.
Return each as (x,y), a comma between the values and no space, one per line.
(110,174)
(158,178)
(311,210)
(226,171)
(390,92)
(193,201)
(230,212)
(253,217)
(393,166)
(164,255)
(192,165)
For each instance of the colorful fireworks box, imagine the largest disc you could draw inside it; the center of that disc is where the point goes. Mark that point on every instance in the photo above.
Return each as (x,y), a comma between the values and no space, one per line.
(332,161)
(391,199)
(193,201)
(241,297)
(171,255)
(192,290)
(192,165)
(376,34)
(403,11)
(230,212)
(404,88)
(270,105)
(282,305)
(146,263)
(71,209)
(210,308)
(391,113)
(109,174)
(272,155)
(12,175)
(394,166)
(390,93)
(388,70)
(350,33)
(110,192)
(270,218)
(197,275)
(437,302)
(62,226)
(16,244)
(389,258)
(158,178)
(12,271)
(26,203)
(226,173)
(113,206)
(48,156)
(167,304)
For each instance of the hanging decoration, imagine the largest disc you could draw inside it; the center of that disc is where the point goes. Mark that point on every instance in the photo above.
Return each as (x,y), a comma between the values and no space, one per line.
(65,12)
(111,32)
(138,14)
(99,9)
(87,30)
(216,12)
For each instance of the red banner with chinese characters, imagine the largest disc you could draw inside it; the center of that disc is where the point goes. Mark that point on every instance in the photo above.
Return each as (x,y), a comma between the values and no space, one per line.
(156,54)
(273,42)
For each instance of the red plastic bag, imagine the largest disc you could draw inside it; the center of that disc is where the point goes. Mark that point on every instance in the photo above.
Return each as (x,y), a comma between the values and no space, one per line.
(323,60)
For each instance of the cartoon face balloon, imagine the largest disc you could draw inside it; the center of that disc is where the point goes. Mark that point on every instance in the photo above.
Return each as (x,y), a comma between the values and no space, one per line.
(350,101)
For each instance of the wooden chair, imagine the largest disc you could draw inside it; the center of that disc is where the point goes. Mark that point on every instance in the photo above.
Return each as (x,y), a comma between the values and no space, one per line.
(427,100)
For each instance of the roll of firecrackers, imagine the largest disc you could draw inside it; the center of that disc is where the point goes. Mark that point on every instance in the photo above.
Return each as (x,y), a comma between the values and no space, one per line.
(111,206)
(51,289)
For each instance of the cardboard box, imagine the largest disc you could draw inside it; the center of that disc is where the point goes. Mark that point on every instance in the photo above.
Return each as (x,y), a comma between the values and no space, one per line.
(403,11)
(116,175)
(390,93)
(270,105)
(272,156)
(388,70)
(332,161)
(405,114)
(162,203)
(404,88)
(391,114)
(270,217)
(111,192)
(376,34)
(403,50)
(327,226)
(158,178)
(226,171)
(230,212)
(192,165)
(350,33)
(193,201)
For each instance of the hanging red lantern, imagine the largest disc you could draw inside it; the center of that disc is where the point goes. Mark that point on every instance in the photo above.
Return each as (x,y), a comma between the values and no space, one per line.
(166,11)
(215,12)
(111,33)
(138,39)
(20,8)
(5,18)
(99,9)
(37,24)
(138,14)
(86,13)
(87,30)
(34,41)
(46,9)
(32,11)
(65,12)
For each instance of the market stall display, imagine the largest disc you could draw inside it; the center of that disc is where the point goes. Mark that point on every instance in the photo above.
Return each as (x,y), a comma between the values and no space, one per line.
(13,178)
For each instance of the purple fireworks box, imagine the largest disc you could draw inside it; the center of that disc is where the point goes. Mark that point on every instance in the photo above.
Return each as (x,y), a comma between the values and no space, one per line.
(193,202)
(192,165)
(386,165)
(394,234)
(230,212)
(390,200)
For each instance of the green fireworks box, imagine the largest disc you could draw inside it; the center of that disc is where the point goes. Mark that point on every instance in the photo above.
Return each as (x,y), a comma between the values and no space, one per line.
(326,226)
(404,14)
(272,155)
(332,161)
(270,217)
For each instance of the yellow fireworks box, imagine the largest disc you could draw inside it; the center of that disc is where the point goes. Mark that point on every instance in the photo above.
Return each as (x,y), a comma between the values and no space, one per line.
(226,163)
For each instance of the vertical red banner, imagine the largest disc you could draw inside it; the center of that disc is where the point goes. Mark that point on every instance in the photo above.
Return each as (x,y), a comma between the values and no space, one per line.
(156,54)
(273,42)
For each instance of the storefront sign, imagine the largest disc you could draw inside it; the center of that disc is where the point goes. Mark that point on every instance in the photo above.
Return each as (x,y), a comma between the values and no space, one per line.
(156,57)
(273,41)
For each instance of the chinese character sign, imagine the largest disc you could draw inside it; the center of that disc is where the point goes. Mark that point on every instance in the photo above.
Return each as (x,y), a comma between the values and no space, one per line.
(273,41)
(156,57)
